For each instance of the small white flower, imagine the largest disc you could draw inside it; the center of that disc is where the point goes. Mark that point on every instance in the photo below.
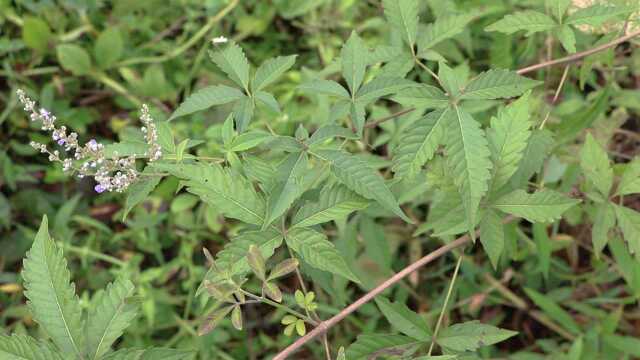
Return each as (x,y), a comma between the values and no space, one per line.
(219,40)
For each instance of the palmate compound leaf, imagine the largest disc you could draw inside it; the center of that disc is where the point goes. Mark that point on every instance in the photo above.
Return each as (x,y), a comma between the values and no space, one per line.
(232,259)
(22,347)
(314,248)
(270,70)
(150,354)
(110,316)
(529,21)
(541,206)
(206,98)
(231,193)
(403,15)
(51,294)
(419,143)
(508,137)
(367,346)
(335,202)
(468,158)
(471,335)
(356,174)
(403,319)
(233,62)
(497,84)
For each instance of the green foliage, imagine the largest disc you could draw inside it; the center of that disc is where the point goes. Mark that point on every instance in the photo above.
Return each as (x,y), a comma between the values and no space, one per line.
(313,178)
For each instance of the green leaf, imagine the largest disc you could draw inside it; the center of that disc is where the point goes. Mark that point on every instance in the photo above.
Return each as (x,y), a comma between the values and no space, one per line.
(381,86)
(492,236)
(36,33)
(368,345)
(451,82)
(543,247)
(626,344)
(403,319)
(508,137)
(594,162)
(529,21)
(110,317)
(472,335)
(356,174)
(270,70)
(553,310)
(604,221)
(468,160)
(248,140)
(206,98)
(596,15)
(326,87)
(73,58)
(232,194)
(150,354)
(335,202)
(233,62)
(139,191)
(243,112)
(51,294)
(108,47)
(403,15)
(327,132)
(314,248)
(22,347)
(538,146)
(445,27)
(356,110)
(629,222)
(288,186)
(630,181)
(422,96)
(267,99)
(559,7)
(627,265)
(232,259)
(354,61)
(419,143)
(542,206)
(498,84)
(567,38)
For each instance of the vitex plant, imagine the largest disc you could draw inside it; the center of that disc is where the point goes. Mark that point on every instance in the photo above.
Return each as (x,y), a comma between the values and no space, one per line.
(470,160)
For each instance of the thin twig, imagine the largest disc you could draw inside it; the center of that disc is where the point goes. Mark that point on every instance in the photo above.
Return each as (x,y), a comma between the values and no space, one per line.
(579,55)
(556,95)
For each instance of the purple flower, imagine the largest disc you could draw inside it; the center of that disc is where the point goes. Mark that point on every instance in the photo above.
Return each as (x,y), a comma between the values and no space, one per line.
(99,189)
(93,145)
(61,142)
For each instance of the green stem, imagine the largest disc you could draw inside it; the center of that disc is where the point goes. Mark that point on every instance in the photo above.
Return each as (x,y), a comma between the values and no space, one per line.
(281,307)
(103,78)
(444,306)
(86,251)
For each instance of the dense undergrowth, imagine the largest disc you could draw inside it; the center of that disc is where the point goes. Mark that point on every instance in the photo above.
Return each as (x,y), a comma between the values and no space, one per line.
(313,150)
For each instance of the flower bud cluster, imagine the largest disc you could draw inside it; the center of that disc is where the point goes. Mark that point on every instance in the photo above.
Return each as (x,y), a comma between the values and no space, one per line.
(112,173)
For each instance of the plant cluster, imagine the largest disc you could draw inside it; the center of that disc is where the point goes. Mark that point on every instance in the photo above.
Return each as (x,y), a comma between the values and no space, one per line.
(335,192)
